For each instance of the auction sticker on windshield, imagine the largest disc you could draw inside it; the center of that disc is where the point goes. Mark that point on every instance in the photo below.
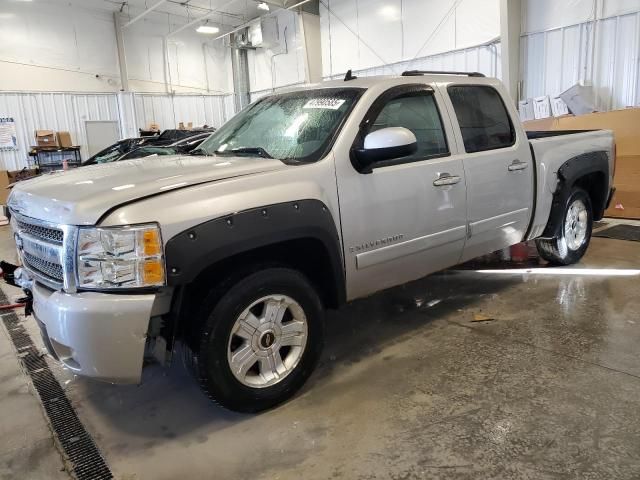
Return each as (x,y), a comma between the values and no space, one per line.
(325,103)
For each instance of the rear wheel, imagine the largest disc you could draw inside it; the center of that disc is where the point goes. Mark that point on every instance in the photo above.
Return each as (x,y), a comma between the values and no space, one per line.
(572,243)
(260,340)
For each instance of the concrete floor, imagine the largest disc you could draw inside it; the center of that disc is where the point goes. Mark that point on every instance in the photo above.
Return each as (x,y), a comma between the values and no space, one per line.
(408,388)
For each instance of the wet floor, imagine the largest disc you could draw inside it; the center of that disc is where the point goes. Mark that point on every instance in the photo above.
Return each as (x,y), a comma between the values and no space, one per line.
(545,386)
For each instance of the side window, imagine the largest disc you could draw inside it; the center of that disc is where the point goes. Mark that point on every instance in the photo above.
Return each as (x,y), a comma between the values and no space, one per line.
(418,112)
(483,118)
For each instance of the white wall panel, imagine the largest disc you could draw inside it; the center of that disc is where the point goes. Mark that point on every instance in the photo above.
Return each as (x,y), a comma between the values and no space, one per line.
(476,21)
(554,60)
(366,34)
(484,59)
(540,15)
(613,8)
(52,111)
(49,46)
(74,44)
(169,111)
(70,111)
(428,27)
(282,65)
(342,35)
(380,30)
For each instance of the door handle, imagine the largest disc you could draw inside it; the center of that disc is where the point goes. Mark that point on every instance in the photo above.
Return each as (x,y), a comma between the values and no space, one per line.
(518,165)
(446,179)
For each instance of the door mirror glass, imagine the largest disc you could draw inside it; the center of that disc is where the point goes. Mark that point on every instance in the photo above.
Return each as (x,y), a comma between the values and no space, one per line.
(386,144)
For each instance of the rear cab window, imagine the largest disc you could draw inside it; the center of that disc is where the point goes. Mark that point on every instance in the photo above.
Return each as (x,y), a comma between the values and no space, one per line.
(484,121)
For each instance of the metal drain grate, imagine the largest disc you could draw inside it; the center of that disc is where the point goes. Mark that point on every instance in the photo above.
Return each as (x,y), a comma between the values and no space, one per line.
(82,453)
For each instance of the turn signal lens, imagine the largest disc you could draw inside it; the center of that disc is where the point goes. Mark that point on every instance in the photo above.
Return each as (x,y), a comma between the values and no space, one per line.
(152,243)
(153,272)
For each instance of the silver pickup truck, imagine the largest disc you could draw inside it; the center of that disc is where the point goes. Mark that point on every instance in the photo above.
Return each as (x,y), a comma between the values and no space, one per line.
(305,200)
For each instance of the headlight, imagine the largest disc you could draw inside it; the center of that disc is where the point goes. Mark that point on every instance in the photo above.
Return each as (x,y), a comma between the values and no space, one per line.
(120,257)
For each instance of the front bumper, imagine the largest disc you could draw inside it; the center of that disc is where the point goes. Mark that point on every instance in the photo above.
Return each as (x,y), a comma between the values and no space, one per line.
(97,335)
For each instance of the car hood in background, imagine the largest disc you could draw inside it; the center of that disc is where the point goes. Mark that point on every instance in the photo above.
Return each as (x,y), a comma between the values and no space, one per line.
(81,196)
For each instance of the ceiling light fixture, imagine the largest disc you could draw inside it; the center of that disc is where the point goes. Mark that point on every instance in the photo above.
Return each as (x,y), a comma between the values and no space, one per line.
(207,29)
(263,6)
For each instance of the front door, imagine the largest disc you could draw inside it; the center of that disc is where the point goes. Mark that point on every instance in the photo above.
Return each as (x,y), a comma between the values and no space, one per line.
(499,169)
(407,218)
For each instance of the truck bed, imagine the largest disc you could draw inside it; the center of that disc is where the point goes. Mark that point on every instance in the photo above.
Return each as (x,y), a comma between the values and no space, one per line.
(535,134)
(550,151)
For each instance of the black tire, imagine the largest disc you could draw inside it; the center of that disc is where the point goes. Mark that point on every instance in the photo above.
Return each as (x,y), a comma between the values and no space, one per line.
(558,251)
(219,315)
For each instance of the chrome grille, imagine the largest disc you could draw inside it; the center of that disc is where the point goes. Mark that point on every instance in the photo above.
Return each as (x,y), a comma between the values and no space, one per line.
(50,269)
(47,234)
(42,247)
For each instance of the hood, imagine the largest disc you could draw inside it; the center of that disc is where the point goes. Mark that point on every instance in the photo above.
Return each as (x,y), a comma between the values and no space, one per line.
(81,196)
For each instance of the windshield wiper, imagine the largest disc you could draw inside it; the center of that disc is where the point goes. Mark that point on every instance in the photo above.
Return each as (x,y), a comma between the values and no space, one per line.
(199,151)
(261,152)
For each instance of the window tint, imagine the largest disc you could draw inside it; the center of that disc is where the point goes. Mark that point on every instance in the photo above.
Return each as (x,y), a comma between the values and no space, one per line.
(417,112)
(483,118)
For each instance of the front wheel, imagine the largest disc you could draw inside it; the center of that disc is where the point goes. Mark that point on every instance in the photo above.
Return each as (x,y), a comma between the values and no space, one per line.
(572,243)
(260,340)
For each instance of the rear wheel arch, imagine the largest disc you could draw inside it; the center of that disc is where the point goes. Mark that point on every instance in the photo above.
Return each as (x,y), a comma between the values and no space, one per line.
(590,172)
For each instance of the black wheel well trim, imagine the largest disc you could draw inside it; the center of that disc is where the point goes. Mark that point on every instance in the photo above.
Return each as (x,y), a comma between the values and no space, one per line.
(197,249)
(572,172)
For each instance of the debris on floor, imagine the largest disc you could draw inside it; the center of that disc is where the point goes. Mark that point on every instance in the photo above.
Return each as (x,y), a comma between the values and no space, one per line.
(479,317)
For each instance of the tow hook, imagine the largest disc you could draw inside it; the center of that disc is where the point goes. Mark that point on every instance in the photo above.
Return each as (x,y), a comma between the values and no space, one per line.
(16,277)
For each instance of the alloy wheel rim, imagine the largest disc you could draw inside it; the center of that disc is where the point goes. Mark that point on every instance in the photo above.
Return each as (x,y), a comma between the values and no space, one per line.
(575,225)
(267,341)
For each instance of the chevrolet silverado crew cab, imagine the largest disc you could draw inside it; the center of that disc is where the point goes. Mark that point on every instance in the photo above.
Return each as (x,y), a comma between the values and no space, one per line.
(303,201)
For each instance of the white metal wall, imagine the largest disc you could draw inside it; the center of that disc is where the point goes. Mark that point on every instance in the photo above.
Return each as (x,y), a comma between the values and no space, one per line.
(69,111)
(52,111)
(169,111)
(553,60)
(484,59)
(363,34)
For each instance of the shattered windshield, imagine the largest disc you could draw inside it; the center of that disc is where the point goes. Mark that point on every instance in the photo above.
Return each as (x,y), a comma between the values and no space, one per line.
(297,126)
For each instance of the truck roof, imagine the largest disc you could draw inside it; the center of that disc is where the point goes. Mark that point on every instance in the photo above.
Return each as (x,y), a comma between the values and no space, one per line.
(390,80)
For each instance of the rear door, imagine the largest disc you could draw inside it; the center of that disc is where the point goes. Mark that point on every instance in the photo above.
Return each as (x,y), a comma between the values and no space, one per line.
(497,165)
(406,218)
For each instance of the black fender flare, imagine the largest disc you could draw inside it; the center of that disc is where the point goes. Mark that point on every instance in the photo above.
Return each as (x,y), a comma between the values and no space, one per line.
(192,251)
(568,174)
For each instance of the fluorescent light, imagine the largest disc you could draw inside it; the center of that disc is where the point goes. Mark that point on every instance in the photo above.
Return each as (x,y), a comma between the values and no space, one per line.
(596,272)
(263,6)
(207,29)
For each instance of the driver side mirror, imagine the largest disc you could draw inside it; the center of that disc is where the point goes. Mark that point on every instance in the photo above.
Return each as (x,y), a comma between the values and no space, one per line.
(385,144)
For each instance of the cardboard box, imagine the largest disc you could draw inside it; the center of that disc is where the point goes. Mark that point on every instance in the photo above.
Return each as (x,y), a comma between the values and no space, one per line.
(153,127)
(626,200)
(4,183)
(542,125)
(541,107)
(525,107)
(558,107)
(46,138)
(24,174)
(189,126)
(64,139)
(624,124)
(579,99)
